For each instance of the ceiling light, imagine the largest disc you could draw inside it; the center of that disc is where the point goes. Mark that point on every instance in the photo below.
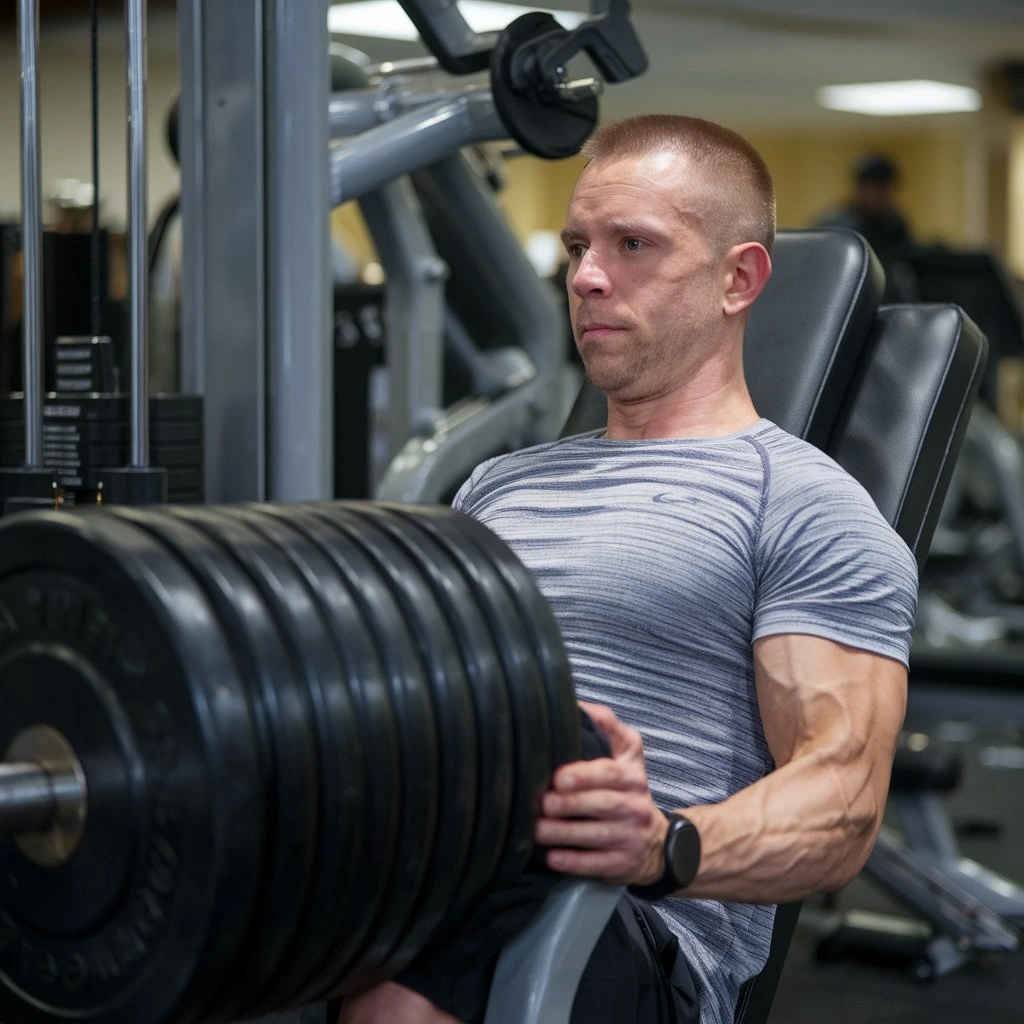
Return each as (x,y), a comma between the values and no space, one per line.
(385,19)
(891,99)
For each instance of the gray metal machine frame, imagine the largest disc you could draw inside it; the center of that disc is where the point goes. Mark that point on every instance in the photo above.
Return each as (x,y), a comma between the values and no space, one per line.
(256,314)
(256,307)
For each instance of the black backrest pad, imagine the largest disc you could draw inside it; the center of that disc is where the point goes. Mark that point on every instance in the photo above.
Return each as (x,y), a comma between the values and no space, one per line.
(804,336)
(808,327)
(903,421)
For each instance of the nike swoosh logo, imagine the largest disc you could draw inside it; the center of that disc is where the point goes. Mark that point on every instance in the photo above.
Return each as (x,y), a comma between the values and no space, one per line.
(667,498)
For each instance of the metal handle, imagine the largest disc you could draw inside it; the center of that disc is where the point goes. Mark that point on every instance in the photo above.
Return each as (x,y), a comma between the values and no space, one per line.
(31,235)
(135,27)
(28,802)
(43,796)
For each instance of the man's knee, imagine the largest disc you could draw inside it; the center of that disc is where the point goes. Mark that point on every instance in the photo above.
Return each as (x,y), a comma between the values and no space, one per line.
(391,1003)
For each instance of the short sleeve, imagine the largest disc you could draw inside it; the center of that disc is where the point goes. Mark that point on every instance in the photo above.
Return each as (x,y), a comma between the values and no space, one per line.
(464,498)
(831,566)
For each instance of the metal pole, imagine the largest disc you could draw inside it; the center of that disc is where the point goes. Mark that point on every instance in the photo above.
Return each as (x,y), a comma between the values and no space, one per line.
(224,270)
(31,235)
(300,351)
(27,800)
(137,225)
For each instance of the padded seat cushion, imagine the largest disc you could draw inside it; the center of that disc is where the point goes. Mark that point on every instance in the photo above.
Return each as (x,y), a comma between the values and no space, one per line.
(799,355)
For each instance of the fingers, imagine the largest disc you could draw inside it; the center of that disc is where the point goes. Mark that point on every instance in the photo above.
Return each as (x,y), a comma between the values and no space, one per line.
(613,866)
(623,739)
(603,804)
(591,834)
(602,773)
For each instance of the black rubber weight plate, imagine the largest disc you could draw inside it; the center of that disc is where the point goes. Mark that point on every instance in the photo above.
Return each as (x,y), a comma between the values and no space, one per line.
(288,766)
(452,585)
(418,745)
(370,871)
(101,611)
(523,680)
(548,129)
(336,879)
(454,721)
(548,645)
(338,744)
(294,844)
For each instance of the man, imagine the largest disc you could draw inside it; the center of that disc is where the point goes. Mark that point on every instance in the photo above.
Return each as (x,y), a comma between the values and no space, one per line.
(733,604)
(873,211)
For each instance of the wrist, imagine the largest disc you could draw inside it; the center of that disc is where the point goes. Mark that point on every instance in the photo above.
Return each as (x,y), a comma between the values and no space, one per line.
(655,868)
(680,859)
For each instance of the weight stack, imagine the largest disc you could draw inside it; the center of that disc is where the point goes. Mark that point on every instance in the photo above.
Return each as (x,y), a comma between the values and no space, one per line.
(309,737)
(83,435)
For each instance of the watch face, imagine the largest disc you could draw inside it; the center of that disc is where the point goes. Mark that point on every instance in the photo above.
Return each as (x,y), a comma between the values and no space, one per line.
(684,842)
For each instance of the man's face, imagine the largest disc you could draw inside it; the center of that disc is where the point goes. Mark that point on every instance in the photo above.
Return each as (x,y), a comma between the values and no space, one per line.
(875,198)
(645,282)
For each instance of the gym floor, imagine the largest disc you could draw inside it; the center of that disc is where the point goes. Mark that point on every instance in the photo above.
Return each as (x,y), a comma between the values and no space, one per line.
(985,992)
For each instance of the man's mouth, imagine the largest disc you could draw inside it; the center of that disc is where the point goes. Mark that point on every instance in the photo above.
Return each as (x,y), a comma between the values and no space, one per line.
(595,331)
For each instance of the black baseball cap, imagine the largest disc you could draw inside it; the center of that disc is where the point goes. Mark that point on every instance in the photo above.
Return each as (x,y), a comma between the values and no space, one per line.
(876,167)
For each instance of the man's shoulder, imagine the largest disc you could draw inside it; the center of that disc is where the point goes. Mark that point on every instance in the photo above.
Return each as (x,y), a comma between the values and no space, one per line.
(802,479)
(809,497)
(526,459)
(793,463)
(515,467)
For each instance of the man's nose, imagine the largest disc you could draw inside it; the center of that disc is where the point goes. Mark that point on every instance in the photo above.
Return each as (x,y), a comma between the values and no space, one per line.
(590,277)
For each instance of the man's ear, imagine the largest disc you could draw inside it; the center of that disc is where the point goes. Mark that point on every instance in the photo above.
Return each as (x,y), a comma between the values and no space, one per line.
(748,267)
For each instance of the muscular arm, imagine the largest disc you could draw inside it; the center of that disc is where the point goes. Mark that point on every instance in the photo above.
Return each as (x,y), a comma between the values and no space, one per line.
(831,717)
(831,714)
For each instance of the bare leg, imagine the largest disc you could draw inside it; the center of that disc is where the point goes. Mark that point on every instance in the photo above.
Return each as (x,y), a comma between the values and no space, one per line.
(391,1003)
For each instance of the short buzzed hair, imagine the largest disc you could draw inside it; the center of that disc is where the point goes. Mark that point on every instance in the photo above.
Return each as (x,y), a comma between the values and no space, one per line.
(748,196)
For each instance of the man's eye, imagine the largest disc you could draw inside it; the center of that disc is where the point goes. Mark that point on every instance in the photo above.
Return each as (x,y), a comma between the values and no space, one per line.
(633,244)
(575,251)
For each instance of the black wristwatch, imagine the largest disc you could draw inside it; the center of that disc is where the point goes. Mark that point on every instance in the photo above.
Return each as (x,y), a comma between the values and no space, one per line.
(682,859)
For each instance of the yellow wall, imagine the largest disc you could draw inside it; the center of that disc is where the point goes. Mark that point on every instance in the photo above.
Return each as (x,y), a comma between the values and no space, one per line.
(537,193)
(349,228)
(1015,203)
(812,174)
(811,171)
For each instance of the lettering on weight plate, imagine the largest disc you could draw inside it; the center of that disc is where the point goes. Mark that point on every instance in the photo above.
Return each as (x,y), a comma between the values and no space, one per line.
(108,643)
(74,973)
(8,625)
(44,966)
(102,965)
(163,864)
(8,935)
(58,608)
(157,732)
(22,960)
(148,913)
(129,945)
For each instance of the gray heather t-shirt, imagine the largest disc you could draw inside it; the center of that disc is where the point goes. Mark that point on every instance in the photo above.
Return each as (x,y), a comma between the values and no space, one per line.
(663,561)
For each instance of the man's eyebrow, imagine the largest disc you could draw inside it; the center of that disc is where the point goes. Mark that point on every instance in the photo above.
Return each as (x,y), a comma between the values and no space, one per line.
(617,227)
(643,228)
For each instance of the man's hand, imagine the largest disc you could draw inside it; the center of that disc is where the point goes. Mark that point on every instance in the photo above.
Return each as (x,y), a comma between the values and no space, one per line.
(599,817)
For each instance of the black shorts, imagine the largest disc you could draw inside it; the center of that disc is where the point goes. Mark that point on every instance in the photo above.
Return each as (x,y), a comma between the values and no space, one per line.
(635,974)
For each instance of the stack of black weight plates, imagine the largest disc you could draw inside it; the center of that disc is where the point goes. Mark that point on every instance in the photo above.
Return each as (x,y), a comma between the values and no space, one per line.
(405,699)
(85,434)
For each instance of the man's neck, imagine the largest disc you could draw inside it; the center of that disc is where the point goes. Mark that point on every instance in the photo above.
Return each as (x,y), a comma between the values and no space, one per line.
(685,412)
